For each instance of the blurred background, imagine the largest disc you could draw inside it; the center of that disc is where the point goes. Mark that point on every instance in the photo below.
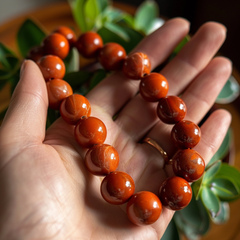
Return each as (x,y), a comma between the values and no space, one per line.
(196,11)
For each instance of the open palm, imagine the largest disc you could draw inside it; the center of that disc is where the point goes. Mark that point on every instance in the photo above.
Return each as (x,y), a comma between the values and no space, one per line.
(46,191)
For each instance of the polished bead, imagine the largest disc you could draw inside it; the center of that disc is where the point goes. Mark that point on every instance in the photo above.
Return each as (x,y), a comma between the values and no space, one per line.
(111,56)
(58,90)
(117,187)
(175,193)
(136,66)
(74,108)
(68,33)
(51,67)
(102,159)
(90,131)
(171,109)
(186,134)
(153,87)
(89,44)
(188,164)
(55,44)
(144,208)
(35,53)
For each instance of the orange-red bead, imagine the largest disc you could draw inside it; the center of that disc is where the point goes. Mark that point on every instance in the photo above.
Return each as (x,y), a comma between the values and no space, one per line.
(90,131)
(144,208)
(153,87)
(136,66)
(102,159)
(117,187)
(111,56)
(186,134)
(51,67)
(175,193)
(35,53)
(188,164)
(68,33)
(56,44)
(89,44)
(58,90)
(171,109)
(74,108)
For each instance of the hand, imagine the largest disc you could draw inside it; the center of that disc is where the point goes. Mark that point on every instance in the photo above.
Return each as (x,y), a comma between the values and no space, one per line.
(46,191)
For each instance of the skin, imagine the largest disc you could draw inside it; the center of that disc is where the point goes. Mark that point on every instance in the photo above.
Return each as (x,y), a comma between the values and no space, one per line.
(46,191)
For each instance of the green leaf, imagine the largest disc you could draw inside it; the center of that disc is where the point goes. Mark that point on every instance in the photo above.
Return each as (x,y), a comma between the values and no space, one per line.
(196,186)
(231,173)
(111,14)
(102,4)
(155,24)
(229,92)
(91,12)
(223,149)
(29,35)
(223,215)
(145,15)
(185,40)
(98,76)
(15,66)
(128,19)
(193,220)
(118,30)
(5,55)
(211,171)
(210,201)
(171,232)
(77,79)
(109,36)
(72,61)
(77,7)
(224,188)
(52,116)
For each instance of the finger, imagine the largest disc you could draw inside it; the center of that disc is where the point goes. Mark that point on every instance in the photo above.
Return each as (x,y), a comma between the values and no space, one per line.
(138,117)
(26,115)
(194,56)
(202,93)
(112,93)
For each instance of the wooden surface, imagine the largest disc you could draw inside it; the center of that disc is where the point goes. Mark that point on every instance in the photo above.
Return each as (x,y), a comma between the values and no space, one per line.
(55,15)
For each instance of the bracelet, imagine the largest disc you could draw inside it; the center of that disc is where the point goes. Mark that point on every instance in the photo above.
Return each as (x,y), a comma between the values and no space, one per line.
(143,208)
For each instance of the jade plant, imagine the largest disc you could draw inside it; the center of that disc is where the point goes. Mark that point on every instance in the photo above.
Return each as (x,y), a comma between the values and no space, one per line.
(220,183)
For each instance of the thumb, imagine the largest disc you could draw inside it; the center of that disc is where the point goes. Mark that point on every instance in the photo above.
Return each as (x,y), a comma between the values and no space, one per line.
(27,112)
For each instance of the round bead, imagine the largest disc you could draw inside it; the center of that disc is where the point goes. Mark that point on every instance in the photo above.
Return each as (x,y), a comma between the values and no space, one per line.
(111,56)
(51,67)
(89,44)
(102,159)
(90,131)
(136,66)
(153,87)
(58,90)
(186,134)
(175,193)
(144,208)
(171,109)
(68,33)
(117,187)
(56,44)
(188,164)
(74,108)
(35,53)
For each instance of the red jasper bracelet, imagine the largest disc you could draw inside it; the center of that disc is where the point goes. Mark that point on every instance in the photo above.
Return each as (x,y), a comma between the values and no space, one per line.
(101,159)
